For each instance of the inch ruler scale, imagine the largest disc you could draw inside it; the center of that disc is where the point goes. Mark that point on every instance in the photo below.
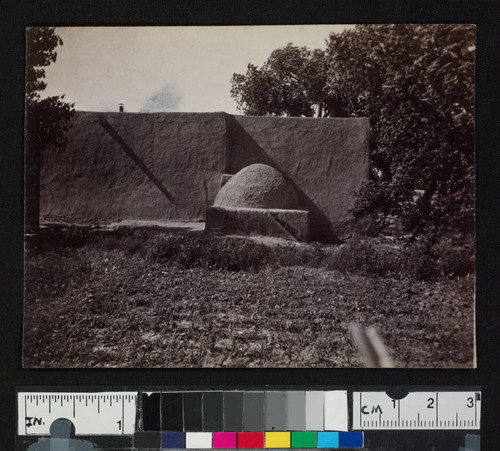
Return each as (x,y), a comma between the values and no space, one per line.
(103,413)
(344,416)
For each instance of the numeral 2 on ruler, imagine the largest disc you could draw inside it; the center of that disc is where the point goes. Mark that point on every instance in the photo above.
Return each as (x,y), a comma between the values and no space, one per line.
(418,410)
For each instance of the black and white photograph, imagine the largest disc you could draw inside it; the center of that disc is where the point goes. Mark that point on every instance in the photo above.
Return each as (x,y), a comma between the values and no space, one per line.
(285,196)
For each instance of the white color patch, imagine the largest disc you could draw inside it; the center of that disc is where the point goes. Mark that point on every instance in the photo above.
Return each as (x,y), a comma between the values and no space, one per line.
(200,440)
(336,411)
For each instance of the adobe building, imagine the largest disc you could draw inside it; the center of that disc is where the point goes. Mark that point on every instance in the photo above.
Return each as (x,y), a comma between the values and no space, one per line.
(310,169)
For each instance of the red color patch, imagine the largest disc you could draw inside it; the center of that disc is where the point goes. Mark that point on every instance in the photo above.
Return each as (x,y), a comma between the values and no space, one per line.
(250,440)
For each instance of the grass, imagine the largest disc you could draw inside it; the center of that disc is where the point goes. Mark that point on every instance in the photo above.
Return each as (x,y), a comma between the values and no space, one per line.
(139,299)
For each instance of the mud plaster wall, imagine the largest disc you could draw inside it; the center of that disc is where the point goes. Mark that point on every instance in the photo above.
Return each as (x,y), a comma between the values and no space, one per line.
(325,159)
(95,181)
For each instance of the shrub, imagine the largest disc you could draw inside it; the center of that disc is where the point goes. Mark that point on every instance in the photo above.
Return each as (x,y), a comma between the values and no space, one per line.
(163,247)
(424,260)
(132,245)
(209,252)
(417,260)
(454,261)
(236,255)
(292,255)
(57,238)
(364,257)
(420,260)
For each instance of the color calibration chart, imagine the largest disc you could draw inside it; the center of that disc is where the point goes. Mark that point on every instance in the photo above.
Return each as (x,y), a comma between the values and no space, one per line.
(237,419)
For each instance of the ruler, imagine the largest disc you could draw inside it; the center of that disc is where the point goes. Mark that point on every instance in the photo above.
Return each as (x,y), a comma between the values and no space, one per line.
(117,413)
(452,410)
(102,413)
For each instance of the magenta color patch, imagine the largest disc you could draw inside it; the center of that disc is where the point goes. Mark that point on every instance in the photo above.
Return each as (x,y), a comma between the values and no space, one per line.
(224,440)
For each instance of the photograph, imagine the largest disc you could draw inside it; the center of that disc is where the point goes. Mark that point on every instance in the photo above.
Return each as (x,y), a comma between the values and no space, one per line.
(265,196)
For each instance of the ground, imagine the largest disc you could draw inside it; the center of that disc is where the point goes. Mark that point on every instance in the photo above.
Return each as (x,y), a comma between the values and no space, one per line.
(101,303)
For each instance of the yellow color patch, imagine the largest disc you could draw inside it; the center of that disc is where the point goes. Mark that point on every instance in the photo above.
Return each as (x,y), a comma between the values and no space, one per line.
(277,439)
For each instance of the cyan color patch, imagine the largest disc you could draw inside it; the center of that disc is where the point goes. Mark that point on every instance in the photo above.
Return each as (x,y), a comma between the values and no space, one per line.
(328,439)
(351,439)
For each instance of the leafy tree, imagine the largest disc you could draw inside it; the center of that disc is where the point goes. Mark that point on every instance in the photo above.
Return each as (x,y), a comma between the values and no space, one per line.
(47,119)
(291,82)
(416,85)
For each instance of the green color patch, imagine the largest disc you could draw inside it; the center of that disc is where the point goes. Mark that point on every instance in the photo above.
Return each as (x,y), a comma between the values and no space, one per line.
(304,439)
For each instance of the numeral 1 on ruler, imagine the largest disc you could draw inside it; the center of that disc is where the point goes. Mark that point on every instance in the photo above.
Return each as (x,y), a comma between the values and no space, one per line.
(104,413)
(418,410)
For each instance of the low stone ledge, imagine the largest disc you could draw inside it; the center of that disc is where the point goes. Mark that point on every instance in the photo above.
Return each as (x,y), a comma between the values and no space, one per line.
(288,224)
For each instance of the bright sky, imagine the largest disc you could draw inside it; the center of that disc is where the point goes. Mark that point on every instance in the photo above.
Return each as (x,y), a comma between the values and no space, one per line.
(165,68)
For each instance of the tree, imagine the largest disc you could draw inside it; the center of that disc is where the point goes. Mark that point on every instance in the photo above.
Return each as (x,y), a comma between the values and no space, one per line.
(291,82)
(416,85)
(47,119)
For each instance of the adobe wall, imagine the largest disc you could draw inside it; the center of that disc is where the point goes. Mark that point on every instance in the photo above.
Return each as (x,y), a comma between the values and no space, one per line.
(326,159)
(93,180)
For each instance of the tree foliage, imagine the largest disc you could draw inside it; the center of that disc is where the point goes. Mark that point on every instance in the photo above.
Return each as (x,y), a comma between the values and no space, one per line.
(291,82)
(47,119)
(416,85)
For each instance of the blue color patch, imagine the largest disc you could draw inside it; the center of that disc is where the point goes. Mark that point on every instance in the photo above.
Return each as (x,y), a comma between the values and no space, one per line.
(351,439)
(328,439)
(173,440)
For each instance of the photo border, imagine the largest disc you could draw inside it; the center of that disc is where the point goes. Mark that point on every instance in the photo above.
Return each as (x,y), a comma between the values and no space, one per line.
(483,13)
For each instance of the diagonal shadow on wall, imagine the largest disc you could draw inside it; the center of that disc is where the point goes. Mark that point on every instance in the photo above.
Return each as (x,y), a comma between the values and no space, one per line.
(134,157)
(242,151)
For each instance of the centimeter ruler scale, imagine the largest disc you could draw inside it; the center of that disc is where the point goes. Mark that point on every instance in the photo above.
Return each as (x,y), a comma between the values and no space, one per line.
(418,410)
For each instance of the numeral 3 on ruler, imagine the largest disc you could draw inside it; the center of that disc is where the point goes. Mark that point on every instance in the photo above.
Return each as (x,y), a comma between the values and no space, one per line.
(418,410)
